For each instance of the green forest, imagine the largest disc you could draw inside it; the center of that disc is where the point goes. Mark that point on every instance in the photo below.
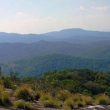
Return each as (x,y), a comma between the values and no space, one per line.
(42,64)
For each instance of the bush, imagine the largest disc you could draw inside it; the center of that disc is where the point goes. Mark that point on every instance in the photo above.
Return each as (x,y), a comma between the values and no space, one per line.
(84,99)
(78,100)
(63,95)
(69,103)
(23,105)
(87,99)
(49,101)
(8,83)
(25,92)
(65,107)
(4,97)
(74,102)
(80,104)
(102,100)
(37,96)
(1,81)
(77,97)
(45,96)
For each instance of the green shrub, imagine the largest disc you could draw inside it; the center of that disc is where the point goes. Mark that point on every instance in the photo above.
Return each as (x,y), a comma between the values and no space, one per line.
(80,104)
(65,107)
(102,100)
(25,92)
(23,105)
(4,97)
(78,100)
(74,102)
(8,83)
(49,101)
(1,81)
(37,96)
(77,97)
(87,99)
(69,103)
(63,95)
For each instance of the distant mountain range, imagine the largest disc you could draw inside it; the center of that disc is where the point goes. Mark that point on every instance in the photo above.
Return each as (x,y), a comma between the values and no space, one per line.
(75,35)
(58,50)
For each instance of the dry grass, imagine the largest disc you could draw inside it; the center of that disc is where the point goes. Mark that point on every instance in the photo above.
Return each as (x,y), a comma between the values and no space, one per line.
(77,100)
(4,97)
(63,95)
(102,100)
(25,92)
(20,104)
(48,101)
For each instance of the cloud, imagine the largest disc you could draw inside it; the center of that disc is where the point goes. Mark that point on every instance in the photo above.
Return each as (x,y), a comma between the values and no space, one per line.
(100,8)
(94,8)
(92,22)
(82,8)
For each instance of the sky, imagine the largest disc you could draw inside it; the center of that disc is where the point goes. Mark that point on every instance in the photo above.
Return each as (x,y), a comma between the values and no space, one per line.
(40,16)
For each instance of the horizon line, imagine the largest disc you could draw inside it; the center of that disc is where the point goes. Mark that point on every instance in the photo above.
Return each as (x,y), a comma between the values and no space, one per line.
(83,29)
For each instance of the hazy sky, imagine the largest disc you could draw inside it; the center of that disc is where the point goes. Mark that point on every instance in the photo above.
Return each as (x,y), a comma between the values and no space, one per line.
(37,16)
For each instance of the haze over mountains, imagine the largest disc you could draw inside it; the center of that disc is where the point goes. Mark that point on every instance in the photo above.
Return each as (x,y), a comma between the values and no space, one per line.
(69,43)
(75,35)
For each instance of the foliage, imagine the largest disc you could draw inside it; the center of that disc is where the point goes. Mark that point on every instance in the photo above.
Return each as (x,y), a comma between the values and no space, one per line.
(68,104)
(92,83)
(45,63)
(25,92)
(8,82)
(49,101)
(4,97)
(23,105)
(77,100)
(37,95)
(68,89)
(102,100)
(63,95)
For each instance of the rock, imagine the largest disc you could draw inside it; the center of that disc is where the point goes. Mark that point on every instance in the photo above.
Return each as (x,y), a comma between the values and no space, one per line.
(97,107)
(4,109)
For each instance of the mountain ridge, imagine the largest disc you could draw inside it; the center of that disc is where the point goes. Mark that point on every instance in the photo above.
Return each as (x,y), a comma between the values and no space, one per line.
(70,35)
(90,47)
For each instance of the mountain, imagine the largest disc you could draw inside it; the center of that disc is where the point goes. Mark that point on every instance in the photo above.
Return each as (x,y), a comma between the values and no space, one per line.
(16,51)
(78,35)
(70,48)
(74,35)
(19,38)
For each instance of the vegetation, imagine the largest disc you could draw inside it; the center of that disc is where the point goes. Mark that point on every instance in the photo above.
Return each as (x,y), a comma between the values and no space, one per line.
(66,89)
(45,63)
(103,100)
(49,101)
(77,81)
(25,92)
(4,97)
(22,105)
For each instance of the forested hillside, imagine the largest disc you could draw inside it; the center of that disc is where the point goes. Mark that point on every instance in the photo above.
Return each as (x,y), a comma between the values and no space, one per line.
(39,65)
(65,49)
